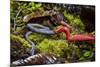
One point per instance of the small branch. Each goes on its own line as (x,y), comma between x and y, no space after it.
(15,19)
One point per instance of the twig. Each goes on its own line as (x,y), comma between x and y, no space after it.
(15,19)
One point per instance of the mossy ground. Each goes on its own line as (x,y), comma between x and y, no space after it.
(55,44)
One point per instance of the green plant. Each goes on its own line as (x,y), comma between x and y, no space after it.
(75,22)
(60,48)
(22,41)
(52,46)
(87,56)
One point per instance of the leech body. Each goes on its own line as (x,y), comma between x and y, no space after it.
(77,37)
(32,43)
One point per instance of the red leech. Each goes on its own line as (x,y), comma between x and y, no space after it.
(77,37)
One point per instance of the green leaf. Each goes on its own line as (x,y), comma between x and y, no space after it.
(81,58)
(87,54)
(38,5)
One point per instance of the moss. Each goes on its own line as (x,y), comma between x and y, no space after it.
(61,49)
(20,48)
(37,37)
(52,46)
(75,22)
(18,39)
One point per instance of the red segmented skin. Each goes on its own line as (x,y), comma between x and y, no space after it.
(78,37)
